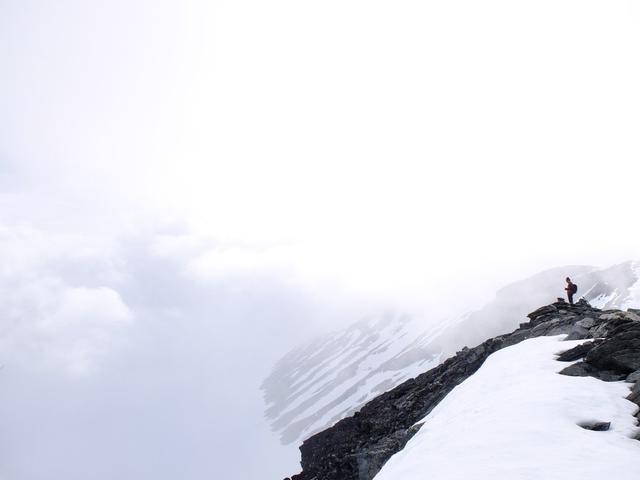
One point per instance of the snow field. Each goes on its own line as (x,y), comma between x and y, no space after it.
(517,418)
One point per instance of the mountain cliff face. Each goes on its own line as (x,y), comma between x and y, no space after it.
(358,446)
(330,378)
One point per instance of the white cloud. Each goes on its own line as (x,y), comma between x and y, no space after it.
(49,319)
(52,326)
(81,327)
(225,261)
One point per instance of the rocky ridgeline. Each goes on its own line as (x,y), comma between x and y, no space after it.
(357,447)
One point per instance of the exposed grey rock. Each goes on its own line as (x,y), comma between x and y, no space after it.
(620,353)
(633,376)
(634,396)
(579,369)
(607,328)
(583,369)
(545,328)
(542,311)
(578,333)
(610,376)
(586,322)
(576,353)
(632,315)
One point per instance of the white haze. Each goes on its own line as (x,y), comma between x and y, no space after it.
(191,188)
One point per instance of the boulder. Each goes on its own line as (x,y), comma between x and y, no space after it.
(634,396)
(633,377)
(586,322)
(583,369)
(542,311)
(621,353)
(596,426)
(576,353)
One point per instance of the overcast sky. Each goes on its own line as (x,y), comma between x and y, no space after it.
(190,188)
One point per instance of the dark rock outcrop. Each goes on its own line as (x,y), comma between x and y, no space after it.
(620,353)
(613,358)
(584,369)
(357,447)
(577,353)
(596,426)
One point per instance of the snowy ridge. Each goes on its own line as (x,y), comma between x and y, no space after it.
(521,420)
(330,378)
(528,419)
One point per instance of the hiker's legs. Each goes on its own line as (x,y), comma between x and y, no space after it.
(570,295)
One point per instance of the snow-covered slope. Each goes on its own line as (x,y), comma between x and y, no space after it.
(317,384)
(615,287)
(517,419)
(320,383)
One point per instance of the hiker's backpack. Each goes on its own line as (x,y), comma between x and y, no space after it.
(574,288)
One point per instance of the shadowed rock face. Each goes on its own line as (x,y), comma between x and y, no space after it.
(596,426)
(357,447)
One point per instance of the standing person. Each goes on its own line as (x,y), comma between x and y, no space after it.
(571,289)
